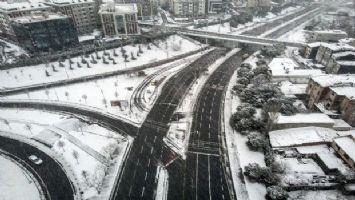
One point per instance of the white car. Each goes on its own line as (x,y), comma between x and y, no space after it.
(35,159)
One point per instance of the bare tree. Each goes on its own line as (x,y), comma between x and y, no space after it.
(7,123)
(29,128)
(85,97)
(76,156)
(61,145)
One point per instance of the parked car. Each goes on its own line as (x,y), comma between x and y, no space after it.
(35,159)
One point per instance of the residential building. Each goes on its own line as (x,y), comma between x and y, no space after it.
(146,8)
(44,31)
(263,5)
(10,11)
(188,8)
(341,63)
(83,13)
(333,95)
(277,121)
(311,50)
(326,36)
(119,19)
(285,69)
(326,50)
(345,147)
(214,6)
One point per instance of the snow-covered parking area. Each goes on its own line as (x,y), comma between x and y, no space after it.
(97,63)
(88,150)
(15,182)
(110,95)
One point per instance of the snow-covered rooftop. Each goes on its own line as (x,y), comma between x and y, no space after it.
(344,91)
(343,54)
(347,144)
(346,63)
(304,118)
(70,1)
(119,8)
(330,32)
(287,67)
(39,17)
(333,80)
(338,47)
(21,6)
(301,136)
(314,44)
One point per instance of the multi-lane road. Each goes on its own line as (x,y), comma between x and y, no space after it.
(148,150)
(53,179)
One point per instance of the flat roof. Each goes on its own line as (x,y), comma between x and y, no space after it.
(21,6)
(111,7)
(344,91)
(334,79)
(305,118)
(347,144)
(288,67)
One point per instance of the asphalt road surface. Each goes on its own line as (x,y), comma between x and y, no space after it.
(138,180)
(57,183)
(203,175)
(270,25)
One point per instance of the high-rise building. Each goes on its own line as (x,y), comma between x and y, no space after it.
(119,19)
(188,8)
(83,13)
(42,31)
(10,11)
(146,8)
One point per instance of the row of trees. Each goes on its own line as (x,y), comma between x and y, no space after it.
(255,90)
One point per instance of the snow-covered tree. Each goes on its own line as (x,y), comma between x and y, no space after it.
(76,156)
(276,193)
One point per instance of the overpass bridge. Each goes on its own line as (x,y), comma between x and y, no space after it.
(239,39)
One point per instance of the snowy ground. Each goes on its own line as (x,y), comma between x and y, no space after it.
(9,52)
(31,75)
(319,195)
(257,21)
(98,94)
(15,182)
(239,153)
(88,148)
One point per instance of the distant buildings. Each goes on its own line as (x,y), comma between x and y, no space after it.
(83,13)
(213,6)
(119,19)
(326,36)
(45,32)
(188,8)
(10,11)
(146,8)
(333,95)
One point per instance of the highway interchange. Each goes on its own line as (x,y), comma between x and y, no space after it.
(202,175)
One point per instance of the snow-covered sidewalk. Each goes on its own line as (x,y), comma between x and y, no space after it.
(15,181)
(239,153)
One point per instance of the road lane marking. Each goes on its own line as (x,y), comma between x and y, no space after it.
(143,191)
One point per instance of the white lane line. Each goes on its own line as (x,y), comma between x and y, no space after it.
(142,149)
(143,191)
(151,150)
(145,178)
(209,177)
(155,137)
(196,177)
(149,162)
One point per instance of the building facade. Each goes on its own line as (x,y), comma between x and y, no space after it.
(338,63)
(214,6)
(83,13)
(146,8)
(45,32)
(345,147)
(119,19)
(188,8)
(11,11)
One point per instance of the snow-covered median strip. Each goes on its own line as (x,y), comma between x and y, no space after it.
(163,184)
(179,132)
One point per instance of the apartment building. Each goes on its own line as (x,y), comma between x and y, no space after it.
(341,63)
(119,19)
(345,147)
(83,13)
(326,50)
(10,11)
(188,8)
(42,31)
(146,8)
(333,95)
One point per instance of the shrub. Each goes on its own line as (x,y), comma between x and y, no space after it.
(256,141)
(260,174)
(276,193)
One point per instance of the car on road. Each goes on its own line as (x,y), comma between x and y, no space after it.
(35,159)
